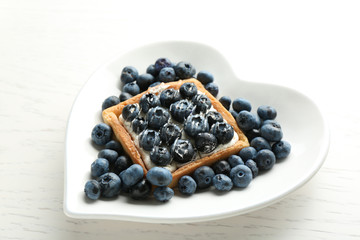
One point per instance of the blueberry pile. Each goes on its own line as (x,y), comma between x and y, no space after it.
(113,172)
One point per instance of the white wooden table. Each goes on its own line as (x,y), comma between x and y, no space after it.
(48,49)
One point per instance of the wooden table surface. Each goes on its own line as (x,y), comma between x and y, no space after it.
(48,49)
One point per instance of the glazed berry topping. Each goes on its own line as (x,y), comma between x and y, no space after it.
(169,96)
(202,103)
(182,151)
(160,156)
(148,139)
(195,124)
(205,142)
(213,117)
(180,110)
(148,101)
(169,133)
(188,90)
(130,112)
(139,124)
(223,131)
(157,117)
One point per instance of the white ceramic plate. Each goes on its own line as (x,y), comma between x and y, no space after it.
(301,120)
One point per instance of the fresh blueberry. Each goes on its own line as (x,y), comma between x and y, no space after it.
(265,159)
(221,167)
(151,70)
(195,124)
(271,132)
(114,145)
(125,96)
(260,143)
(188,90)
(169,133)
(184,70)
(99,167)
(148,139)
(131,88)
(160,156)
(252,133)
(92,189)
(130,112)
(148,101)
(101,134)
(258,122)
(132,175)
(144,81)
(141,190)
(167,74)
(205,77)
(253,167)
(235,160)
(162,63)
(182,151)
(203,176)
(246,120)
(234,113)
(180,110)
(169,96)
(240,104)
(270,121)
(205,142)
(213,117)
(222,182)
(241,176)
(157,117)
(225,101)
(281,149)
(108,154)
(223,131)
(129,74)
(266,112)
(163,194)
(159,176)
(202,103)
(154,84)
(109,102)
(122,163)
(212,88)
(139,124)
(247,153)
(187,185)
(110,184)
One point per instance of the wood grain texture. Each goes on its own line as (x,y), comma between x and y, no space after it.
(48,49)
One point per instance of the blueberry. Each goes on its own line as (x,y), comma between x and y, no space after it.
(213,117)
(205,77)
(108,154)
(144,81)
(240,104)
(101,134)
(188,90)
(221,167)
(159,176)
(246,120)
(187,185)
(234,113)
(223,131)
(247,153)
(148,101)
(125,96)
(222,182)
(184,70)
(167,74)
(132,175)
(195,124)
(252,133)
(160,156)
(151,70)
(235,160)
(131,88)
(180,110)
(203,176)
(205,142)
(129,74)
(253,167)
(163,194)
(212,88)
(281,149)
(182,151)
(241,176)
(109,102)
(169,96)
(110,184)
(157,117)
(148,139)
(99,167)
(271,132)
(260,143)
(154,84)
(114,145)
(122,163)
(270,121)
(265,159)
(266,112)
(169,133)
(141,190)
(130,112)
(92,189)
(139,124)
(201,102)
(225,101)
(162,63)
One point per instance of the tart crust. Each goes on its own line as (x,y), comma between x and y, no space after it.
(111,117)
